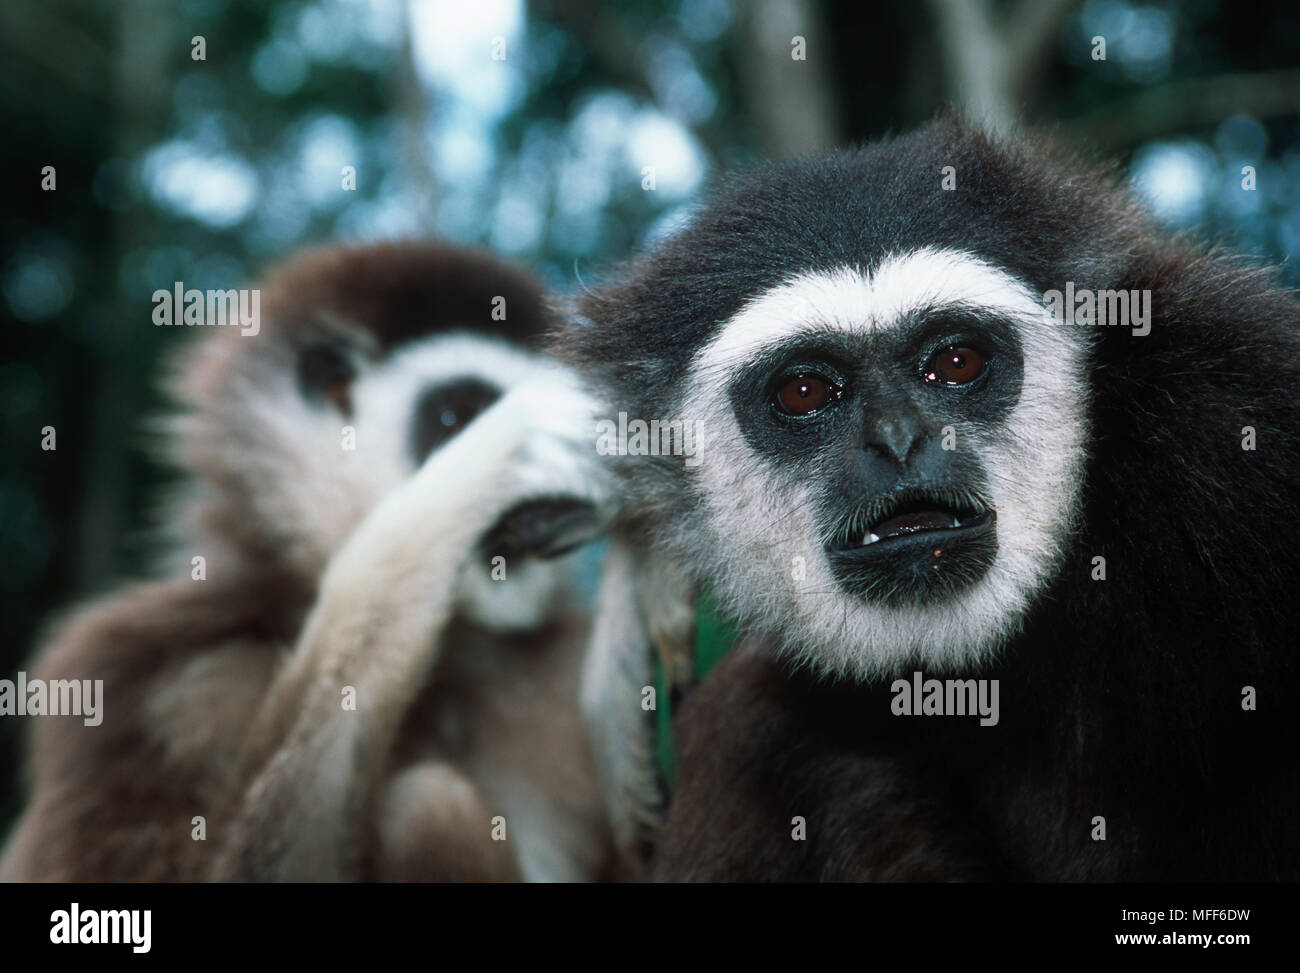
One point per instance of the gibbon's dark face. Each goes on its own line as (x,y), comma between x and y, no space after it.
(892,430)
(905,514)
(890,459)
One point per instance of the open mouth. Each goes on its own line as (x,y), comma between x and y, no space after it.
(912,512)
(914,545)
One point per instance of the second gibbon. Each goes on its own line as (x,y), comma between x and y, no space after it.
(228,748)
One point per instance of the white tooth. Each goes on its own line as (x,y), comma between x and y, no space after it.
(872,538)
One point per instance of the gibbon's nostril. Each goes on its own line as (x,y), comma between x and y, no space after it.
(895,437)
(443,410)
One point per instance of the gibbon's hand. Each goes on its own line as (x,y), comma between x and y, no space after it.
(562,497)
(378,622)
(527,465)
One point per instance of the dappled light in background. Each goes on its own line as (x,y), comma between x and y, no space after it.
(208,171)
(559,190)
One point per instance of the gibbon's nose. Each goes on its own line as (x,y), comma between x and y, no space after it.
(895,435)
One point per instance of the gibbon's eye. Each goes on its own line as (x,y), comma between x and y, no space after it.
(805,394)
(442,411)
(955,366)
(326,371)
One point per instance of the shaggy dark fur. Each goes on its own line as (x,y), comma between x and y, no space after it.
(1120,699)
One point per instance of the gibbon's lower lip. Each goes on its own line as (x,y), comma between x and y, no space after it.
(916,549)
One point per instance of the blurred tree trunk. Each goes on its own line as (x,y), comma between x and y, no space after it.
(147,45)
(416,124)
(792,101)
(993,63)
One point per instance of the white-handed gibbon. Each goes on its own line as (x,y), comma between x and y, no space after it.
(964,413)
(364,663)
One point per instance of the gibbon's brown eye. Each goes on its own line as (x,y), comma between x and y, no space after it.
(326,370)
(805,394)
(340,393)
(955,366)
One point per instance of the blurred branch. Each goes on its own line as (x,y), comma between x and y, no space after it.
(1178,105)
(58,46)
(605,38)
(413,109)
(993,63)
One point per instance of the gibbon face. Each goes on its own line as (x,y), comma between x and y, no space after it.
(409,406)
(893,431)
(306,426)
(903,449)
